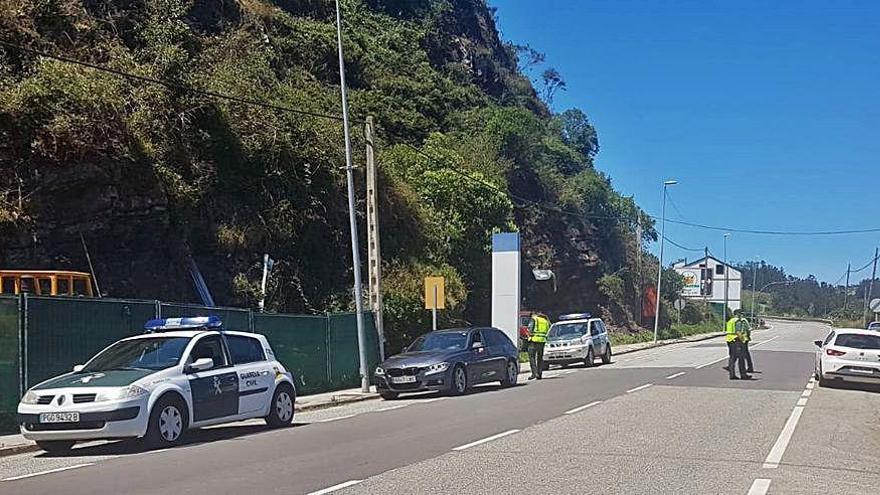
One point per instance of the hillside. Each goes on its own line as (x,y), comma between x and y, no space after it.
(150,175)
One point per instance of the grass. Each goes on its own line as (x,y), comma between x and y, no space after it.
(678,330)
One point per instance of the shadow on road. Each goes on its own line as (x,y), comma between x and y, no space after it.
(193,437)
(861,387)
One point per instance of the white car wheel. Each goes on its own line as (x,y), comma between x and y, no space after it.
(281,410)
(170,423)
(284,407)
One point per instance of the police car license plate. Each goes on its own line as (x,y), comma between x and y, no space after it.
(403,379)
(66,417)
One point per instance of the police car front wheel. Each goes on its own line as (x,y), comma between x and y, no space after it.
(281,410)
(168,422)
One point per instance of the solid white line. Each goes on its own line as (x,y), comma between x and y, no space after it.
(337,487)
(568,372)
(807,392)
(641,387)
(581,408)
(802,401)
(487,439)
(759,487)
(337,418)
(428,401)
(765,341)
(391,408)
(676,375)
(710,364)
(50,471)
(775,455)
(811,385)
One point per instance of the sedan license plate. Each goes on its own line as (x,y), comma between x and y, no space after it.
(65,417)
(403,379)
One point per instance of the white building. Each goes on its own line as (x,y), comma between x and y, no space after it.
(705,279)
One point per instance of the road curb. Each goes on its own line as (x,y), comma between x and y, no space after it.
(336,401)
(18,449)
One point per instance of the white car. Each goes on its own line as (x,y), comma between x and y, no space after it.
(848,354)
(577,338)
(185,373)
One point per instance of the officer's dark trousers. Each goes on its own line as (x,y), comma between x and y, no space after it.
(536,358)
(735,356)
(747,357)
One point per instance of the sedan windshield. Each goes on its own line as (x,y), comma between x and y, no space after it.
(443,341)
(567,331)
(155,353)
(858,341)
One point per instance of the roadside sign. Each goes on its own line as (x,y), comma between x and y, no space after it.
(691,283)
(679,304)
(435,293)
(875,305)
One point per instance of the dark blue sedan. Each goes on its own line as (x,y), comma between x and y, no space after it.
(450,361)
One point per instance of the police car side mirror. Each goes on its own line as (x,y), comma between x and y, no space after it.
(201,364)
(818,343)
(77,368)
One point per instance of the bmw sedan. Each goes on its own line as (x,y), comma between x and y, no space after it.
(450,361)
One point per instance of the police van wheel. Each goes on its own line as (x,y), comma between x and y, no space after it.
(606,358)
(282,407)
(590,359)
(168,422)
(56,446)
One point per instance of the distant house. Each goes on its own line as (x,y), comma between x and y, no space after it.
(704,279)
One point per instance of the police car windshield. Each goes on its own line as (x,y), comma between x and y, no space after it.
(567,331)
(154,353)
(443,341)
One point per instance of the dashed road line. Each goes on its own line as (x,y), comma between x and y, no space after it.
(581,408)
(778,450)
(759,487)
(710,363)
(485,440)
(811,385)
(802,401)
(641,387)
(49,471)
(808,392)
(676,375)
(336,487)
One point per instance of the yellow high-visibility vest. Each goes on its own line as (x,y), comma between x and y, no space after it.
(730,330)
(542,327)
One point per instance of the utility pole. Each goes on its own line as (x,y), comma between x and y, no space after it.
(374,253)
(638,305)
(660,260)
(754,286)
(352,218)
(726,279)
(846,289)
(870,292)
(709,275)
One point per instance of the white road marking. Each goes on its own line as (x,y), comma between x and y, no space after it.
(485,440)
(337,418)
(811,385)
(581,408)
(710,364)
(337,487)
(50,471)
(775,455)
(759,487)
(807,392)
(391,408)
(568,372)
(802,401)
(676,375)
(641,387)
(428,401)
(765,341)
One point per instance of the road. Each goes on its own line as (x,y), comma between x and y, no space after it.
(666,420)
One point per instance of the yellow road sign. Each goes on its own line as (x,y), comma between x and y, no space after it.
(435,293)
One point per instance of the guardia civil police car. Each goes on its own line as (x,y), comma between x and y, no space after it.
(577,337)
(183,373)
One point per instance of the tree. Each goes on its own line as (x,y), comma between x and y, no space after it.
(578,132)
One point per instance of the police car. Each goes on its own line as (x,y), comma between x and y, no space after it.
(182,373)
(577,337)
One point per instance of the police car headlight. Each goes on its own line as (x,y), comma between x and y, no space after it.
(130,392)
(379,370)
(29,398)
(437,368)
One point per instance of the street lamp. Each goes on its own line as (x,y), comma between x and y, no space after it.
(754,285)
(660,266)
(726,278)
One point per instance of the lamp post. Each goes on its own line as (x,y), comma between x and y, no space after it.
(660,265)
(754,285)
(726,278)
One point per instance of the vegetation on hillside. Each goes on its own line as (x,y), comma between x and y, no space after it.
(151,175)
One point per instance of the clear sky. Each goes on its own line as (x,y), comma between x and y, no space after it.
(766,112)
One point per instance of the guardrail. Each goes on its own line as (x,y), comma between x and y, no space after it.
(796,318)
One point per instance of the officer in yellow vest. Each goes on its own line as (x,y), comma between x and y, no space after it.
(744,329)
(735,353)
(536,345)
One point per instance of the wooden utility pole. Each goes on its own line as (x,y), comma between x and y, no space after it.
(846,289)
(638,305)
(374,253)
(870,292)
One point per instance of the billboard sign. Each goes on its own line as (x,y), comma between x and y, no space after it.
(691,283)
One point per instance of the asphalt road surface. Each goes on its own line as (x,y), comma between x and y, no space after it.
(665,421)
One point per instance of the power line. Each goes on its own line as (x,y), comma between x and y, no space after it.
(674,206)
(869,263)
(171,85)
(680,246)
(775,232)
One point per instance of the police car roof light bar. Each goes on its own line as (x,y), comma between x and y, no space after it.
(190,322)
(575,316)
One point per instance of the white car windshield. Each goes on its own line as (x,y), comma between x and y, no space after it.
(858,341)
(155,353)
(567,331)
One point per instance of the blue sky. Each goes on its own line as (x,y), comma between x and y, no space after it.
(766,112)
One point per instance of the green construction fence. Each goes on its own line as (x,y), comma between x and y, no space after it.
(41,337)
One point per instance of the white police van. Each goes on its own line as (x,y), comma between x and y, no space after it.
(183,373)
(577,337)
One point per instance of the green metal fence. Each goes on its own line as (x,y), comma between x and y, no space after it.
(41,337)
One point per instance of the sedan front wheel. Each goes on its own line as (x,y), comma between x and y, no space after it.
(459,380)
